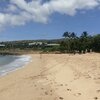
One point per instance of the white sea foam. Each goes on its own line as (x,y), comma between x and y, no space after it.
(20,62)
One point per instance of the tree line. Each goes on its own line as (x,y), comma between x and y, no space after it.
(81,44)
(70,43)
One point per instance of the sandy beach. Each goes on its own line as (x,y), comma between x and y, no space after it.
(54,77)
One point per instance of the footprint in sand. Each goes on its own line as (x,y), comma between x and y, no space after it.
(50,90)
(77,94)
(42,88)
(65,84)
(61,84)
(68,89)
(98,91)
(95,98)
(61,98)
(46,93)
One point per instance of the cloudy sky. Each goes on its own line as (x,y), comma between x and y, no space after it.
(40,19)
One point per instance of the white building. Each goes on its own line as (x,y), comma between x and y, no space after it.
(35,43)
(2,45)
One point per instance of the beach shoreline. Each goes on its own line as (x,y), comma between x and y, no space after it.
(19,62)
(54,77)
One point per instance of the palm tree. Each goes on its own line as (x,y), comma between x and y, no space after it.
(84,41)
(73,35)
(66,34)
(84,34)
(96,43)
(73,42)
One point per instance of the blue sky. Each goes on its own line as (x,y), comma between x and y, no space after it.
(20,22)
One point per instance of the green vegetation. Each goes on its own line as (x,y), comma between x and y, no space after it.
(85,43)
(71,43)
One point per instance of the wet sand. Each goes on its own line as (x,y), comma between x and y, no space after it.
(54,77)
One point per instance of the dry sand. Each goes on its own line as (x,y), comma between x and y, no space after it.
(54,77)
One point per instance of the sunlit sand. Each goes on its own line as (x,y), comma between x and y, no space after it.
(54,77)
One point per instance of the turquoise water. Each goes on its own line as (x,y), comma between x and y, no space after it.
(11,63)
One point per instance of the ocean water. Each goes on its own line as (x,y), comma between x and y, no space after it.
(12,63)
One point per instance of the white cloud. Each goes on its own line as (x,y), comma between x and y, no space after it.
(19,12)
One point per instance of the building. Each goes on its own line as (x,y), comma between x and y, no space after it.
(35,43)
(52,45)
(43,44)
(2,45)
